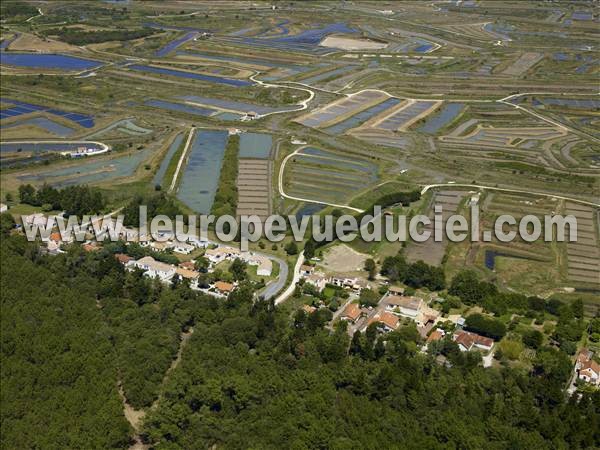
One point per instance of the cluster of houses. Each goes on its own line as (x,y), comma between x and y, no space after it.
(264,266)
(186,270)
(319,280)
(395,306)
(166,273)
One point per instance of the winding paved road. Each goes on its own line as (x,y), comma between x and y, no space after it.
(271,289)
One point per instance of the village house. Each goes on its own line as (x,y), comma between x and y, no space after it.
(124,259)
(405,306)
(161,246)
(468,341)
(186,274)
(153,268)
(587,369)
(318,280)
(265,266)
(389,322)
(198,242)
(182,247)
(224,288)
(219,254)
(355,284)
(395,290)
(189,265)
(436,335)
(352,313)
(3,207)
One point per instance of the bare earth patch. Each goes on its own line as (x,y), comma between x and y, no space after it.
(342,258)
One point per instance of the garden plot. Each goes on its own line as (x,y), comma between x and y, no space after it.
(525,62)
(253,184)
(583,256)
(432,252)
(327,176)
(341,109)
(405,115)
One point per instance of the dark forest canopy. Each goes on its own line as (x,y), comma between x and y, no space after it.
(76,324)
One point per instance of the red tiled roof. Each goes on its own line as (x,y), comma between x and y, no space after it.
(189,265)
(224,286)
(386,318)
(435,335)
(123,258)
(352,311)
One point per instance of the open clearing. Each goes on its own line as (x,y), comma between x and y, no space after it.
(343,259)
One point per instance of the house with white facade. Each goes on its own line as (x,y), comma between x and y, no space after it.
(182,247)
(468,341)
(404,306)
(153,268)
(219,254)
(586,368)
(318,280)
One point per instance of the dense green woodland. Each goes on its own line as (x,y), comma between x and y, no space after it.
(252,376)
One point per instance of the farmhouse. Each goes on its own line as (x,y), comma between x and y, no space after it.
(468,341)
(153,268)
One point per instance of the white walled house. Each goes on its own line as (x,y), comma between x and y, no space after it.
(153,268)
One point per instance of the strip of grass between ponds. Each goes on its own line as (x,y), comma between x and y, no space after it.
(172,167)
(226,197)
